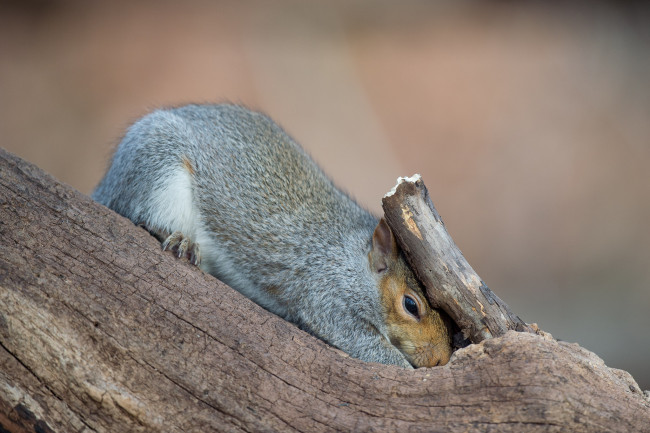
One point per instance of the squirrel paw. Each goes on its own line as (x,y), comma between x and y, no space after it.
(183,247)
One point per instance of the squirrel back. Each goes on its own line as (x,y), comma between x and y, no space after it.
(228,188)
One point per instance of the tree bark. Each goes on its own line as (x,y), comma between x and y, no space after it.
(450,282)
(101,331)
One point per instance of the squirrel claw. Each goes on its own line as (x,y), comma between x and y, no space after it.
(183,247)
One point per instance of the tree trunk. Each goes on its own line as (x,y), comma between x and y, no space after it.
(101,331)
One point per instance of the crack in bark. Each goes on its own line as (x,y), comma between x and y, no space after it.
(44,384)
(154,327)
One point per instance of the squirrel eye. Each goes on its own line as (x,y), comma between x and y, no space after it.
(411,306)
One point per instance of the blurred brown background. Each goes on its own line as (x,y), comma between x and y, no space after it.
(530,122)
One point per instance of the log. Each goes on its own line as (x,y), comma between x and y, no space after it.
(101,331)
(450,282)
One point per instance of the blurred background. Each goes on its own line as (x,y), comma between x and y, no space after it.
(529,122)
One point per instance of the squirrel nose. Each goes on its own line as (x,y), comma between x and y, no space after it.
(435,356)
(444,357)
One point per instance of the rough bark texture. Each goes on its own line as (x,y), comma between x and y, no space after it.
(101,331)
(450,281)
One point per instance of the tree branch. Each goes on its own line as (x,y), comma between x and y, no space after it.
(101,331)
(450,281)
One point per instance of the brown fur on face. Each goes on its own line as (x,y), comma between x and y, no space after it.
(424,338)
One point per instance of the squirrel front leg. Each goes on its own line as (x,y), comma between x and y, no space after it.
(389,354)
(372,346)
(178,243)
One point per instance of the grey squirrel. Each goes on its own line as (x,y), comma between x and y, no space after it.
(227,188)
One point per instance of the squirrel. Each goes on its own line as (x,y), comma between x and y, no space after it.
(231,191)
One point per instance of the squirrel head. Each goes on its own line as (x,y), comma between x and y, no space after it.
(420,332)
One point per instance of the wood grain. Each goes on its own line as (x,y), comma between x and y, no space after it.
(101,331)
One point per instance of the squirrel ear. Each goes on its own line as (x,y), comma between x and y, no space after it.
(384,247)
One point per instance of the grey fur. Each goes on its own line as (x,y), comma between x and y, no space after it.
(277,228)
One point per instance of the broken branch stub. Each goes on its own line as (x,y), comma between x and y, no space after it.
(451,283)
